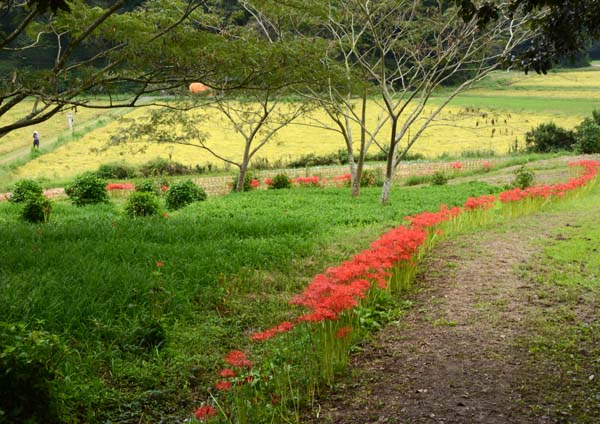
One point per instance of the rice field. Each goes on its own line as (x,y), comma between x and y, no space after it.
(491,117)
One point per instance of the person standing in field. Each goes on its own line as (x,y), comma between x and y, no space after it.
(36,140)
(70,121)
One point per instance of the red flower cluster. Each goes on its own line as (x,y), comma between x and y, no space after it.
(120,186)
(486,165)
(284,327)
(223,386)
(557,190)
(342,179)
(307,181)
(431,219)
(268,181)
(255,183)
(456,165)
(481,202)
(237,358)
(204,412)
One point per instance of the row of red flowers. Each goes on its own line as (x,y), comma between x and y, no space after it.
(341,288)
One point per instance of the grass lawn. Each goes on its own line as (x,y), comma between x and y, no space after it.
(145,339)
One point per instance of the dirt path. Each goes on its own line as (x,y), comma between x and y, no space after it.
(455,356)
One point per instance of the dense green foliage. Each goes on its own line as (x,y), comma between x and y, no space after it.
(281,181)
(30,375)
(24,189)
(148,186)
(588,136)
(37,209)
(439,178)
(142,203)
(183,193)
(549,138)
(156,302)
(524,178)
(87,189)
(116,170)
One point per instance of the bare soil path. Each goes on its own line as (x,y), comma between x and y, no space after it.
(458,355)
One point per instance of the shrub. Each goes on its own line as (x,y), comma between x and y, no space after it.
(183,193)
(142,203)
(414,180)
(523,178)
(30,377)
(87,189)
(37,209)
(159,166)
(549,138)
(281,181)
(24,189)
(116,170)
(439,178)
(588,136)
(147,186)
(370,178)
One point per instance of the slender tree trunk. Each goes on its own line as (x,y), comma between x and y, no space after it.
(389,168)
(362,153)
(239,187)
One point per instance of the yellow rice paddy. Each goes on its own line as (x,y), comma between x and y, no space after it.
(457,130)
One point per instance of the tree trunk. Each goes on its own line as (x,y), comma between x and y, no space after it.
(362,153)
(239,185)
(387,182)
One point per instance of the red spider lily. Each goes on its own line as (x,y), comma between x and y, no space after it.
(237,358)
(272,332)
(227,373)
(120,186)
(204,412)
(249,379)
(486,165)
(268,181)
(343,332)
(164,188)
(481,202)
(456,165)
(223,386)
(255,183)
(307,181)
(160,264)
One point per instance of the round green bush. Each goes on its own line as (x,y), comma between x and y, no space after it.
(31,382)
(37,209)
(523,178)
(142,203)
(147,186)
(549,138)
(24,189)
(281,181)
(371,178)
(183,193)
(588,136)
(87,189)
(439,178)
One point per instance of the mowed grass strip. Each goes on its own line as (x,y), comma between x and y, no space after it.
(228,266)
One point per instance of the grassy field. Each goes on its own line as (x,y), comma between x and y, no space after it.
(490,117)
(144,340)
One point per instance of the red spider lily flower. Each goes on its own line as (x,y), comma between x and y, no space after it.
(120,186)
(204,412)
(227,373)
(255,183)
(223,386)
(456,165)
(307,181)
(164,188)
(249,379)
(438,232)
(343,332)
(486,165)
(237,358)
(160,264)
(268,181)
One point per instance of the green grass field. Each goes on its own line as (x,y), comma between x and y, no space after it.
(230,265)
